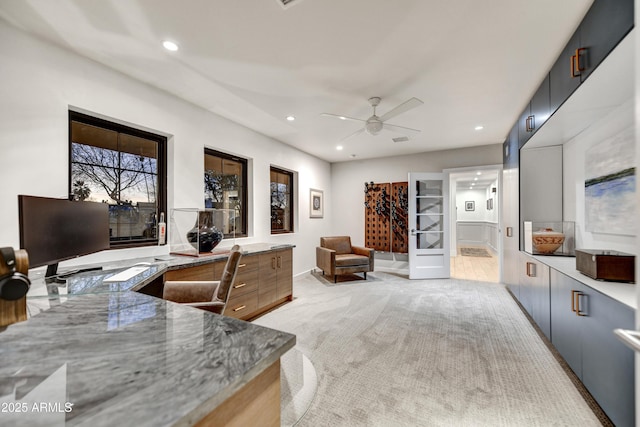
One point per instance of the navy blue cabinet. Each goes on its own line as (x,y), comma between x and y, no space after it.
(535,113)
(582,324)
(535,292)
(563,80)
(605,24)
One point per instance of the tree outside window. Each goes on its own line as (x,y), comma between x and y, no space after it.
(225,187)
(123,167)
(281,201)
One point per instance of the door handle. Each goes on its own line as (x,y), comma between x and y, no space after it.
(509,231)
(413,231)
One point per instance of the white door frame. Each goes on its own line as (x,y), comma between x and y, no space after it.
(452,210)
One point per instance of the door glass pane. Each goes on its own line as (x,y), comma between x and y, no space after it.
(430,240)
(429,188)
(429,205)
(429,222)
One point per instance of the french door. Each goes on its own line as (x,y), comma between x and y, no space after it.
(429,256)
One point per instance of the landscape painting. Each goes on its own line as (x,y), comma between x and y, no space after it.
(610,183)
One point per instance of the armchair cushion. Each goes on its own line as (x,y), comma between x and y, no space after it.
(351,260)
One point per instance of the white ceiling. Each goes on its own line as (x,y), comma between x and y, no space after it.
(256,62)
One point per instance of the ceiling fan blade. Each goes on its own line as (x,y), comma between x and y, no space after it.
(337,116)
(405,106)
(400,129)
(353,134)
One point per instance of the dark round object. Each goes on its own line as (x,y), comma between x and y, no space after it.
(208,238)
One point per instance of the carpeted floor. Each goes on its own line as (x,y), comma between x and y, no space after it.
(390,351)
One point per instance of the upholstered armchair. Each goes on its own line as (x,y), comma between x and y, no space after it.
(336,255)
(206,295)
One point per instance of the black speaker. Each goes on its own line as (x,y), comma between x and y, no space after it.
(13,285)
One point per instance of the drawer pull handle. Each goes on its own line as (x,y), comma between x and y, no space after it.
(242,307)
(241,285)
(242,265)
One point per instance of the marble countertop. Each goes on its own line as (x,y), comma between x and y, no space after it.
(621,292)
(92,282)
(100,354)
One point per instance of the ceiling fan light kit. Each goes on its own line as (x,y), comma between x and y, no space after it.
(374,124)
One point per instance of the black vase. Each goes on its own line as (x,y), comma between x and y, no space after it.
(204,236)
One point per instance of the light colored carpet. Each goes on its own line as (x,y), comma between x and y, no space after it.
(478,252)
(390,351)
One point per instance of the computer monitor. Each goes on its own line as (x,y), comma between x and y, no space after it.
(54,230)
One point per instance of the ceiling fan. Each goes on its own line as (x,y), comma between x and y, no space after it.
(374,124)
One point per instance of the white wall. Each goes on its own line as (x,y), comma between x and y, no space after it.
(348,178)
(40,83)
(574,174)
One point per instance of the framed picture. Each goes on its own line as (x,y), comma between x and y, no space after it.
(490,204)
(316,203)
(470,206)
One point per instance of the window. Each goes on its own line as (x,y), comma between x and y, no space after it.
(123,167)
(225,187)
(281,201)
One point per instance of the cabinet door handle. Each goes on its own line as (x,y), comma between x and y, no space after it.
(273,263)
(279,262)
(575,303)
(509,231)
(242,307)
(531,269)
(576,68)
(530,123)
(579,311)
(241,285)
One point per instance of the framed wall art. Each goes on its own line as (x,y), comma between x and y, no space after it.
(470,206)
(316,203)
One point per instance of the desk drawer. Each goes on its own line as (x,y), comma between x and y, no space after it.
(245,282)
(242,306)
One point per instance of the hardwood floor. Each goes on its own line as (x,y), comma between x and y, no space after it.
(484,269)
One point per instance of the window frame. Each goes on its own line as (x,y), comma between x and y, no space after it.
(291,205)
(161,194)
(244,214)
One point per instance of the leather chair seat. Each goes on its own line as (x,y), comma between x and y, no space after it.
(351,260)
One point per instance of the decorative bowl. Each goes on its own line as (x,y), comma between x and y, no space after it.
(547,241)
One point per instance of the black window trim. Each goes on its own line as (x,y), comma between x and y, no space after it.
(291,175)
(245,189)
(161,161)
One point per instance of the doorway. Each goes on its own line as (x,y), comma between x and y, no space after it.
(475,222)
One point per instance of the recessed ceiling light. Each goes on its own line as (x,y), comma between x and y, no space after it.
(339,147)
(291,118)
(342,118)
(475,179)
(479,127)
(473,183)
(169,45)
(478,173)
